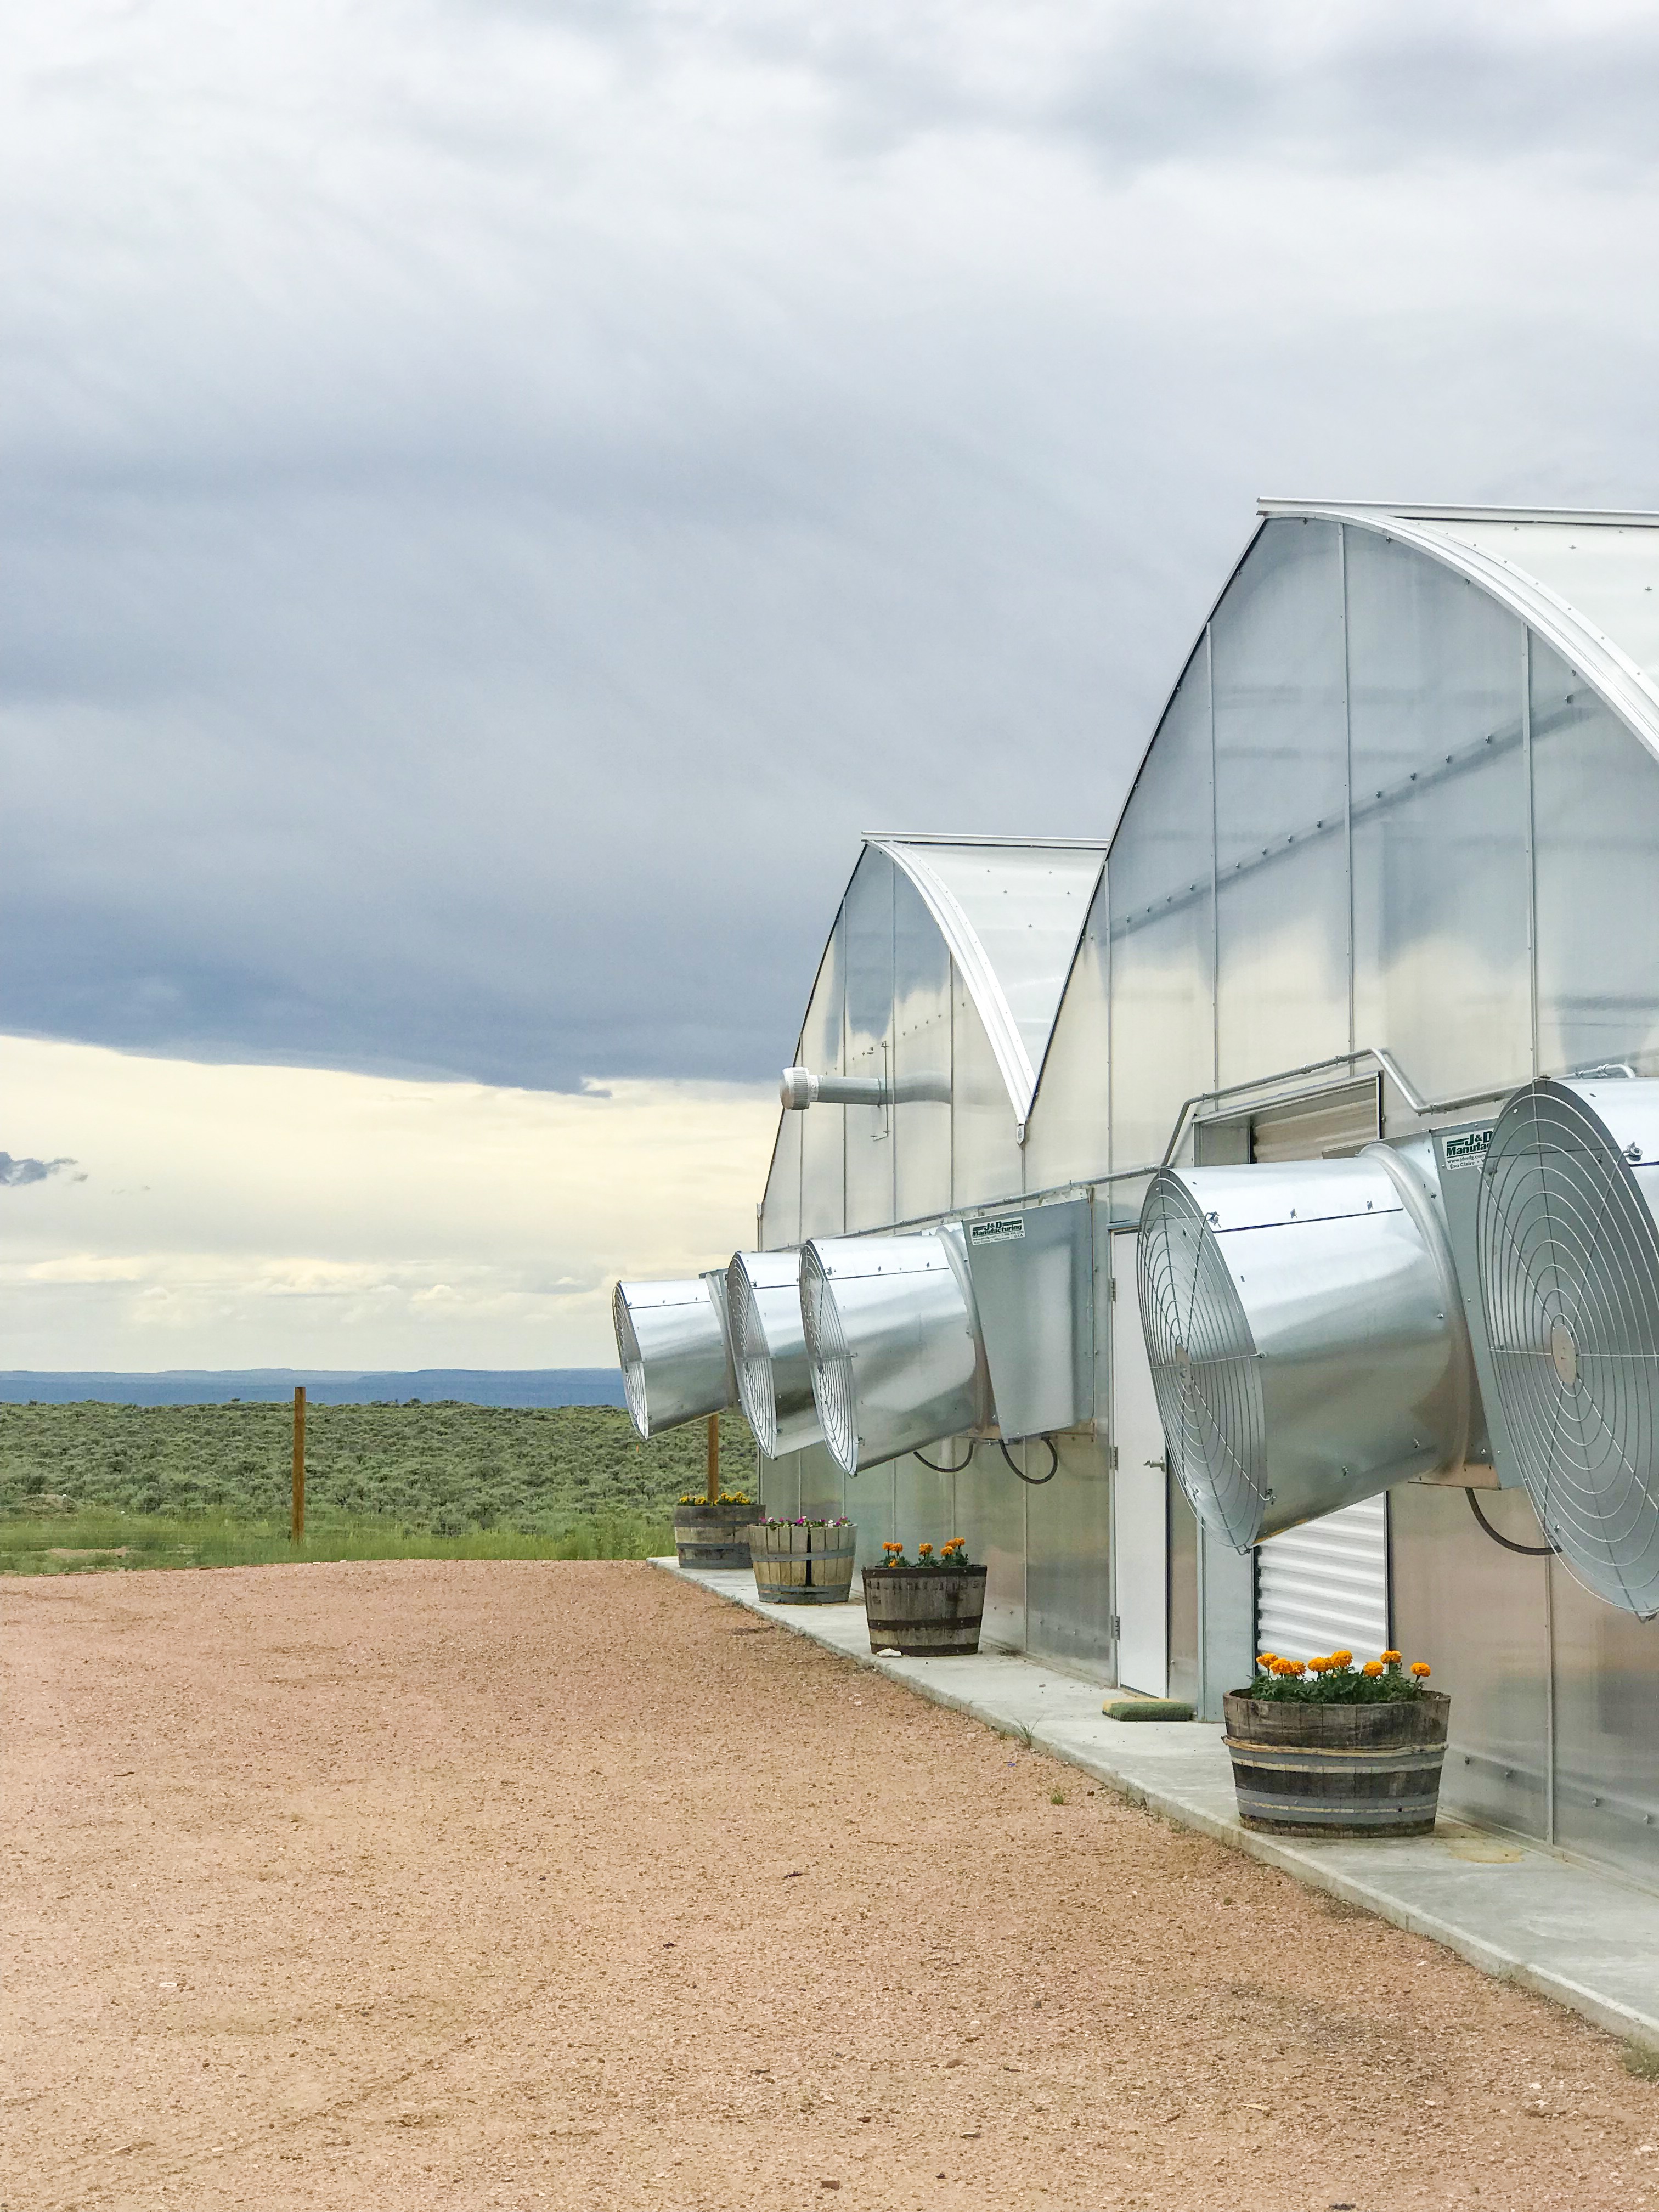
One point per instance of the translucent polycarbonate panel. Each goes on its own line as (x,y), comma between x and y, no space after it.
(867,937)
(1162,927)
(985,1154)
(1595,810)
(1476,1614)
(1025,904)
(921,1058)
(1436,672)
(823,1489)
(991,1516)
(779,1481)
(822,1137)
(1184,1663)
(1606,1731)
(780,1222)
(1608,571)
(924,1500)
(1280,790)
(1068,1578)
(1068,1136)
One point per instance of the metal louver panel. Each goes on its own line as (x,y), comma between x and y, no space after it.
(1569,1265)
(1205,1368)
(1324,1587)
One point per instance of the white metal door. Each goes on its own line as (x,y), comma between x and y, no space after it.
(1141,1516)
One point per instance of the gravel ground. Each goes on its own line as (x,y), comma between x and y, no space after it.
(469,1885)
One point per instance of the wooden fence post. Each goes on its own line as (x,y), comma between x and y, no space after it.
(299,1527)
(713,1457)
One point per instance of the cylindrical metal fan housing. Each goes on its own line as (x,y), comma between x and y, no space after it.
(672,1345)
(897,1360)
(1568,1262)
(769,1345)
(1306,1343)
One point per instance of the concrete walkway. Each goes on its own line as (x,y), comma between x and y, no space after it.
(1585,1938)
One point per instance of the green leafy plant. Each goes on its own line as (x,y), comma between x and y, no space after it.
(950,1558)
(1334,1679)
(725,1497)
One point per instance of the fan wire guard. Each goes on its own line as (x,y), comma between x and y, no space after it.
(1569,1266)
(753,1360)
(1205,1366)
(633,1365)
(832,1363)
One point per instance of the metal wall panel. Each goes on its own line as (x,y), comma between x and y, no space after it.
(866,936)
(1596,811)
(1476,1614)
(991,1515)
(924,1501)
(780,1215)
(822,1137)
(1185,1667)
(984,1153)
(1069,1135)
(1607,1729)
(822,1487)
(1324,1587)
(1160,883)
(1437,673)
(1141,1493)
(1280,799)
(1068,1581)
(921,1057)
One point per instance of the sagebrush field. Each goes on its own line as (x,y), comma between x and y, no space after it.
(91,1484)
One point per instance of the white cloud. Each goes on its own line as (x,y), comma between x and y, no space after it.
(238,1215)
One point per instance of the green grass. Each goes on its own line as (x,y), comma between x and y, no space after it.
(209,1486)
(93,1540)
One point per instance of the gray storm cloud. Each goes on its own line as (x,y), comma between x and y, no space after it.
(14,1173)
(501,495)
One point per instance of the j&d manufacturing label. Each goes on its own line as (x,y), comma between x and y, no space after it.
(1469,1149)
(1003,1230)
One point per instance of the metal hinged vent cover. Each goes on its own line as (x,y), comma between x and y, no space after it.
(1205,1368)
(1569,1266)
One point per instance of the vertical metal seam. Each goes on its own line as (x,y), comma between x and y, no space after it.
(1532,842)
(1347,769)
(1215,883)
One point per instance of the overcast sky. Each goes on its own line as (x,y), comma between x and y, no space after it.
(498,496)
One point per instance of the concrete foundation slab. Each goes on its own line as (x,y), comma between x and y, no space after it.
(1571,1932)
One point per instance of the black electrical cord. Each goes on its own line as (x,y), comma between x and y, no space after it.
(933,1467)
(1036,1481)
(1527,1551)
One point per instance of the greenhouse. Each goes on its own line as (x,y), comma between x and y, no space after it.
(1241,1228)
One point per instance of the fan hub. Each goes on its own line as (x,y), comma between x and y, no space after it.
(1564,1354)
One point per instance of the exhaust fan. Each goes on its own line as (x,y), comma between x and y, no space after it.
(1569,1268)
(893,1343)
(1307,1341)
(769,1345)
(672,1340)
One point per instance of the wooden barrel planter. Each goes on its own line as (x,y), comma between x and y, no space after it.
(801,1563)
(712,1535)
(1337,1770)
(926,1613)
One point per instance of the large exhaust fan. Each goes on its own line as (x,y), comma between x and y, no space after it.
(1307,1341)
(1569,1268)
(916,1339)
(893,1343)
(769,1345)
(672,1344)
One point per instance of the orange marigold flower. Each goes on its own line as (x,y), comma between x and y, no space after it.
(1341,1658)
(1392,1658)
(1295,1666)
(1373,1667)
(1421,1672)
(924,1551)
(892,1548)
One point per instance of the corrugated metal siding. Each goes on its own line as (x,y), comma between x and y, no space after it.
(1324,1587)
